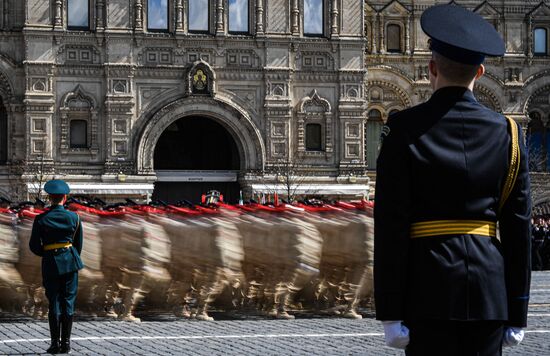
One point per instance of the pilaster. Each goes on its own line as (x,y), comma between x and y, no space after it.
(295,18)
(260,17)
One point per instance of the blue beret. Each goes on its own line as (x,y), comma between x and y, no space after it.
(56,186)
(460,34)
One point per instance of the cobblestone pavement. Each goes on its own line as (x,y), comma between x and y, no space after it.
(305,335)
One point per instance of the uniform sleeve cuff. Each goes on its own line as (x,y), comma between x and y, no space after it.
(390,306)
(517,311)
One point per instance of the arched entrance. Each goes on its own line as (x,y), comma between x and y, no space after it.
(3,134)
(233,120)
(194,155)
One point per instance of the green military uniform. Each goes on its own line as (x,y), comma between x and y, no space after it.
(57,238)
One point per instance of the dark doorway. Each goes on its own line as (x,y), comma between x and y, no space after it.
(172,192)
(3,134)
(196,144)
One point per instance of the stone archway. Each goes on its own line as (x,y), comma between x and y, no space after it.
(182,114)
(238,123)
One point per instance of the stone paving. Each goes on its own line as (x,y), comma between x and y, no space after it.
(234,335)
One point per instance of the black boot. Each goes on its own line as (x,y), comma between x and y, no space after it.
(54,334)
(66,327)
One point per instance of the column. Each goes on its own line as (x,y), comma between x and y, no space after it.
(219,18)
(58,21)
(408,36)
(6,13)
(295,18)
(99,18)
(382,34)
(530,37)
(334,28)
(179,16)
(260,17)
(139,15)
(374,37)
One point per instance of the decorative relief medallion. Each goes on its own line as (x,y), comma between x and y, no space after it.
(200,80)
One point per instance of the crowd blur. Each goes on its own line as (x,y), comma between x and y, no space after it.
(185,259)
(540,239)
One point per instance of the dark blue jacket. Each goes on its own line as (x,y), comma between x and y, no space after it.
(55,226)
(447,159)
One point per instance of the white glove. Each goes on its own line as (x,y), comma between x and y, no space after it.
(512,336)
(396,334)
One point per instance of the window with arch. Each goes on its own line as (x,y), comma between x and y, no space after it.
(78,14)
(540,42)
(79,124)
(238,16)
(314,127)
(314,137)
(373,130)
(78,135)
(157,15)
(393,38)
(3,134)
(313,17)
(199,16)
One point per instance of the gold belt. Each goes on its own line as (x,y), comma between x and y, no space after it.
(453,227)
(57,245)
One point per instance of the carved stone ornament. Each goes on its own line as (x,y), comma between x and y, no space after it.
(79,105)
(314,103)
(317,110)
(201,79)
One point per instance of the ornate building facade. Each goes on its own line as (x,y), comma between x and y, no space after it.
(166,98)
(518,85)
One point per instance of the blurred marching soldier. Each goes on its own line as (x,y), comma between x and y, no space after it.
(448,171)
(57,238)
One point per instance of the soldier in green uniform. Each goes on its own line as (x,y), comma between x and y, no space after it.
(57,238)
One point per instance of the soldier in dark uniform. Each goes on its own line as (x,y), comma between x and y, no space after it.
(57,238)
(448,171)
(538,237)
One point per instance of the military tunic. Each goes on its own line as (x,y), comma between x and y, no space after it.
(60,266)
(448,159)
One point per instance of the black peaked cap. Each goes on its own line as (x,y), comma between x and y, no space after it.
(460,34)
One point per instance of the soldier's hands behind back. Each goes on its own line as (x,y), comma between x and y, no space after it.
(396,334)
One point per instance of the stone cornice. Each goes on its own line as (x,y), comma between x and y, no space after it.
(240,75)
(81,71)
